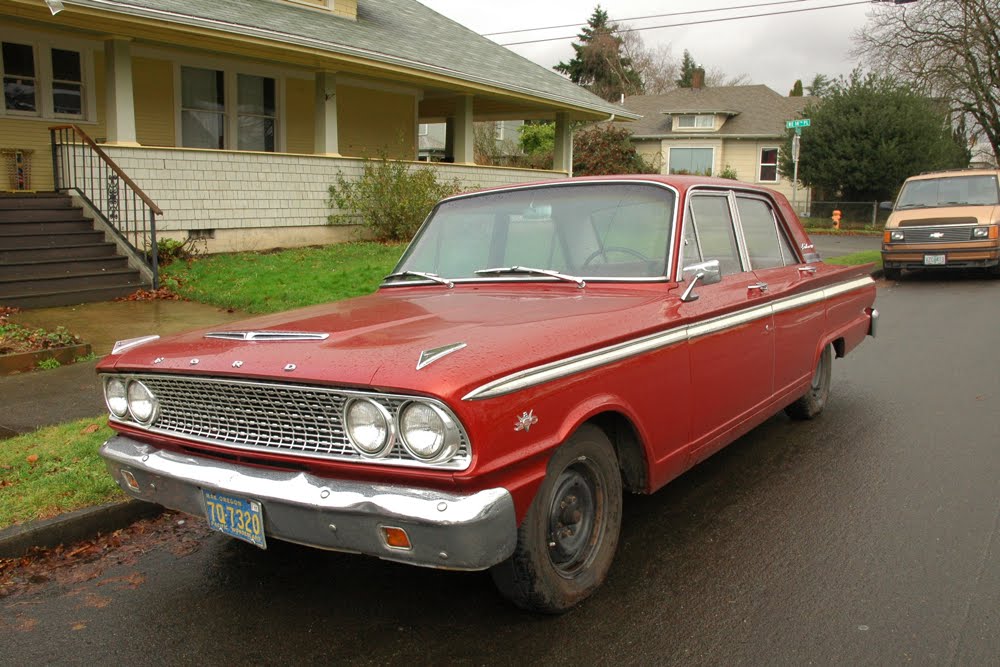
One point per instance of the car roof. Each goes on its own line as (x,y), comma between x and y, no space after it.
(951,173)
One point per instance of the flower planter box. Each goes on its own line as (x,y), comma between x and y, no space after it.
(27,361)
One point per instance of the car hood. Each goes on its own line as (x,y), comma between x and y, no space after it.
(943,215)
(377,340)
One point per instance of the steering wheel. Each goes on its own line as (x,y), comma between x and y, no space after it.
(603,252)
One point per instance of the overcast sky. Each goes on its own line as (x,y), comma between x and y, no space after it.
(773,50)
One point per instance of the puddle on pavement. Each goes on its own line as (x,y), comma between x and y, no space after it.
(101,324)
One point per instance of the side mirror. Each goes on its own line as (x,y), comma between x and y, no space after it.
(706,272)
(885,205)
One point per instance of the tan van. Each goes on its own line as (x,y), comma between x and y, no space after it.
(944,219)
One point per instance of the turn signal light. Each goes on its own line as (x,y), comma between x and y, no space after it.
(396,538)
(130,480)
(885,236)
(994,232)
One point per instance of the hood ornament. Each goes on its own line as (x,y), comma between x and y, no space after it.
(271,336)
(428,357)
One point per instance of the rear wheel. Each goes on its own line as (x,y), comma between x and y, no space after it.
(567,541)
(811,403)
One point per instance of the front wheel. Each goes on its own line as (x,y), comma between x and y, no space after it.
(811,403)
(567,541)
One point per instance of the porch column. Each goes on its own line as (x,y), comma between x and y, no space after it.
(326,141)
(562,159)
(120,110)
(464,137)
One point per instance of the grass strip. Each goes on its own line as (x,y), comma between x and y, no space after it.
(54,470)
(857,258)
(275,281)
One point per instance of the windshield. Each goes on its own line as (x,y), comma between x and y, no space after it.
(592,230)
(949,191)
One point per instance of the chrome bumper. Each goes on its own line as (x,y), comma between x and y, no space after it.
(446,530)
(873,327)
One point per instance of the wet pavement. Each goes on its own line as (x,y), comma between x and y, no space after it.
(46,397)
(830,245)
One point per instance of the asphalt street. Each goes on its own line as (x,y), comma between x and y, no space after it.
(866,537)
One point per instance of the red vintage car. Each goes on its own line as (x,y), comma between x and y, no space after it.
(538,351)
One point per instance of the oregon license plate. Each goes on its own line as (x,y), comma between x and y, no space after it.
(236,517)
(934,260)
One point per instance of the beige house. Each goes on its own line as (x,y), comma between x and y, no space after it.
(711,131)
(234,116)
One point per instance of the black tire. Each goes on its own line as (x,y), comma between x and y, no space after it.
(892,274)
(811,403)
(567,541)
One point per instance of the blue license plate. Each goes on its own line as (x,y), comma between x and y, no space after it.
(236,517)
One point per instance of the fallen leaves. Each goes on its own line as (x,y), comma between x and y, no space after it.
(90,428)
(32,459)
(162,294)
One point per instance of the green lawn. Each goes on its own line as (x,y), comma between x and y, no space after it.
(275,281)
(863,257)
(54,470)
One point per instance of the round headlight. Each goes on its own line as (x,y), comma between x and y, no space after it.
(368,427)
(428,432)
(141,402)
(114,396)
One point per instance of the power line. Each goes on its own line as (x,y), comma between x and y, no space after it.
(703,21)
(652,16)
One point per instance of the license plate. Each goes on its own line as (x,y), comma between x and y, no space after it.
(236,517)
(934,260)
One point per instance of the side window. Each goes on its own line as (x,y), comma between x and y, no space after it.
(767,246)
(713,224)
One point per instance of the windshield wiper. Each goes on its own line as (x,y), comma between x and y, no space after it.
(433,277)
(538,272)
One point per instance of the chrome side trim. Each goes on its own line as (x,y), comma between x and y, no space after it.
(601,357)
(456,531)
(274,336)
(428,357)
(127,344)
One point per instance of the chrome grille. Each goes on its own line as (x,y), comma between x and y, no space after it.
(948,234)
(273,417)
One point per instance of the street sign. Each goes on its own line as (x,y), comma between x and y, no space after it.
(796,143)
(802,122)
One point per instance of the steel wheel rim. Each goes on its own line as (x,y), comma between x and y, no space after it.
(576,518)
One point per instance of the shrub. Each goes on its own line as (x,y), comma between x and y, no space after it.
(729,172)
(169,250)
(390,198)
(48,364)
(607,150)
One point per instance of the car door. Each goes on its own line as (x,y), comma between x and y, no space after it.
(799,315)
(731,349)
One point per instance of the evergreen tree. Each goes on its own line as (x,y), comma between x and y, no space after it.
(688,66)
(598,64)
(796,90)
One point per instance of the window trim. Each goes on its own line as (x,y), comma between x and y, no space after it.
(42,45)
(761,164)
(695,127)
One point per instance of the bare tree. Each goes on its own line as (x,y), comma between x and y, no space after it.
(716,78)
(948,49)
(656,65)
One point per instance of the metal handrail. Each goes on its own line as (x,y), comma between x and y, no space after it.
(79,164)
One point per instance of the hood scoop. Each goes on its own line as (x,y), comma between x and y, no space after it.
(268,336)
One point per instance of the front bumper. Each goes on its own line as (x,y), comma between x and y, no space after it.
(981,254)
(446,530)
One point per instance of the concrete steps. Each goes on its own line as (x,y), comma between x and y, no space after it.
(51,255)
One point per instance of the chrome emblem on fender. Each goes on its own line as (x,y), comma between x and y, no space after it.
(290,367)
(428,357)
(525,421)
(937,235)
(237,364)
(193,362)
(158,360)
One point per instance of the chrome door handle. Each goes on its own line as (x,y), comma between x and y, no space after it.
(762,287)
(807,269)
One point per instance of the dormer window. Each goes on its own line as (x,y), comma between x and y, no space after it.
(701,121)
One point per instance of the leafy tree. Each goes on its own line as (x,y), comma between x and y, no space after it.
(538,138)
(820,86)
(604,149)
(796,90)
(947,50)
(598,63)
(868,135)
(688,66)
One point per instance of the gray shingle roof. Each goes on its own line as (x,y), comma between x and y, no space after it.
(755,111)
(398,32)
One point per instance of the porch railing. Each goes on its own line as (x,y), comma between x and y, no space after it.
(79,164)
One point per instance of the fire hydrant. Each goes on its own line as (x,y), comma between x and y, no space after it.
(836,219)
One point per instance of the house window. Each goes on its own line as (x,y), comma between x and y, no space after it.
(27,88)
(209,119)
(422,129)
(696,121)
(696,161)
(768,165)
(255,131)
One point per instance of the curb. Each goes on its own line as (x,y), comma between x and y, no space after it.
(72,527)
